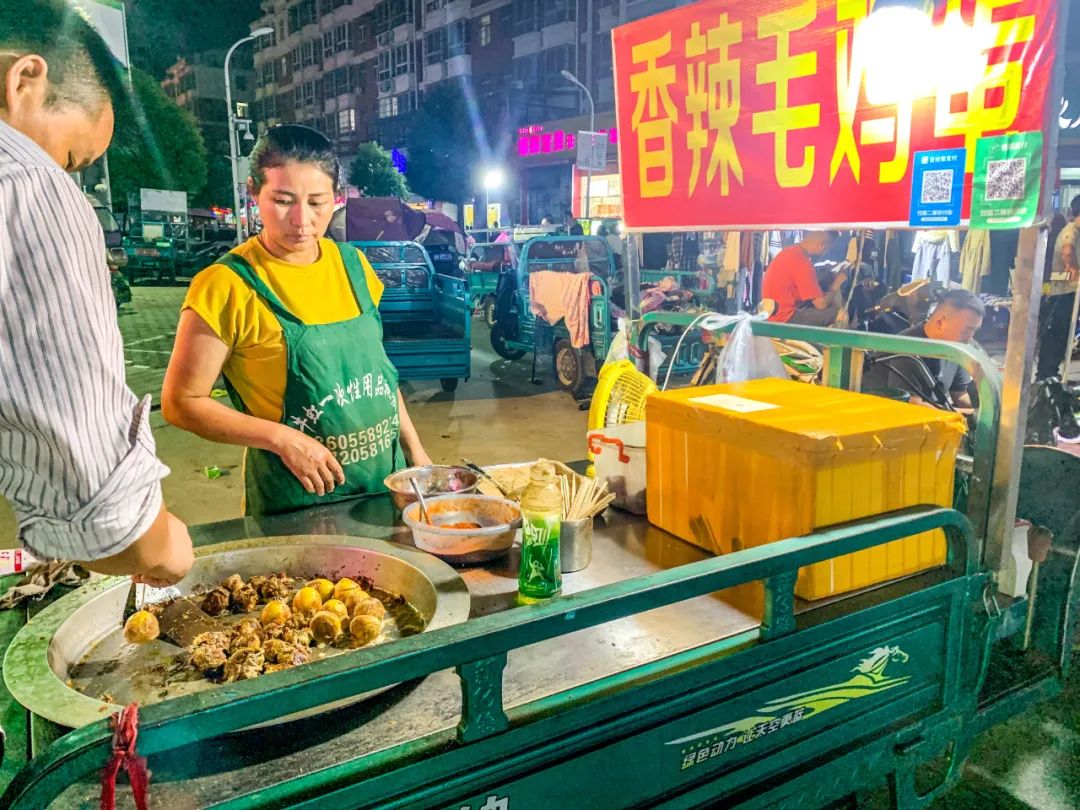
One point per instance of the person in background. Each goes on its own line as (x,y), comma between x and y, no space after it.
(573,227)
(1059,287)
(615,243)
(791,281)
(956,318)
(77,458)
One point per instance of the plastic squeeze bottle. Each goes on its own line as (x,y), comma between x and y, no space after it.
(540,576)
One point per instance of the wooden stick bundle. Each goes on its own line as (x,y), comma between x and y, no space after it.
(583,497)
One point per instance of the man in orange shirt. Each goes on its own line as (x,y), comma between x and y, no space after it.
(791,282)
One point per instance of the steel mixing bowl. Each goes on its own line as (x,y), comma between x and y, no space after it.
(499,520)
(434,479)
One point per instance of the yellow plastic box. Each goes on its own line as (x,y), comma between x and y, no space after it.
(739,465)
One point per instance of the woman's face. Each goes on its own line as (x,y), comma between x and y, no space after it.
(296,203)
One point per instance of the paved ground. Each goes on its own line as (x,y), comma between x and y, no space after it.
(148,326)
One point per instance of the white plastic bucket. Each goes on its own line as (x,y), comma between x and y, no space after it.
(619,454)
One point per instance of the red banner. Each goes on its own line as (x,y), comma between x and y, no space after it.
(736,114)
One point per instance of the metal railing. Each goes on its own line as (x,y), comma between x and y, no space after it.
(478,651)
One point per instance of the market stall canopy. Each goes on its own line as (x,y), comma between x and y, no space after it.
(388,219)
(441,221)
(786,113)
(382,219)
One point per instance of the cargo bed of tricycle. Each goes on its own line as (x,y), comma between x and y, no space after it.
(427,327)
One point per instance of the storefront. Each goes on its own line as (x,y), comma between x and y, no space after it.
(548,180)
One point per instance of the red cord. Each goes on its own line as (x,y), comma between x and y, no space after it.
(124,757)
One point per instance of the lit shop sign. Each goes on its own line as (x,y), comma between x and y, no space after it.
(535,140)
(401,163)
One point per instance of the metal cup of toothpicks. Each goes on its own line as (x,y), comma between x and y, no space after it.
(583,499)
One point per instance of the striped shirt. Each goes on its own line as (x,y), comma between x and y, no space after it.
(77,459)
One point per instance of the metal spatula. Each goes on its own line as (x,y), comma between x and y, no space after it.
(136,596)
(183,620)
(141,595)
(423,504)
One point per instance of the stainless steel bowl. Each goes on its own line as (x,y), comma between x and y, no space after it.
(499,520)
(435,479)
(81,632)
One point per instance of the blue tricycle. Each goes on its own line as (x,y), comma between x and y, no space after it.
(426,315)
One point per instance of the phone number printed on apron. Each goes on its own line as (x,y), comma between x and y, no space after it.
(362,445)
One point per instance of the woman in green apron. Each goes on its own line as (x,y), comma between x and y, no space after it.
(291,320)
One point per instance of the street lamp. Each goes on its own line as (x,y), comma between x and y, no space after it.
(493,181)
(258,32)
(570,77)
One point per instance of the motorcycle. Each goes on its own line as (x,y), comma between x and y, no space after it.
(116,258)
(897,311)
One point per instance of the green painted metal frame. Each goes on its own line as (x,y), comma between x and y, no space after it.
(844,354)
(482,283)
(600,333)
(478,651)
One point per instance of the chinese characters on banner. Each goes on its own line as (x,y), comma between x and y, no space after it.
(802,112)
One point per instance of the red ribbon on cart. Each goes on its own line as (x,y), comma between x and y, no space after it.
(124,756)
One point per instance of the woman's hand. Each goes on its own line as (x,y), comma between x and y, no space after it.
(313,465)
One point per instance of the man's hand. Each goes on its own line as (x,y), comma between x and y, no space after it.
(838,281)
(313,465)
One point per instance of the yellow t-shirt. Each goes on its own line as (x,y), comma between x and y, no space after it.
(315,293)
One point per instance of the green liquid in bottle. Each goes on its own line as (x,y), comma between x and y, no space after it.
(540,574)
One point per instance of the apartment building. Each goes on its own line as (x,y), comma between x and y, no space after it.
(356,70)
(197,84)
(550,37)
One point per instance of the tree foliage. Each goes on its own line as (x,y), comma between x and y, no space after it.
(156,144)
(373,172)
(160,30)
(442,146)
(219,188)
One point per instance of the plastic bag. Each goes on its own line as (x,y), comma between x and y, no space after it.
(656,357)
(745,357)
(620,345)
(620,349)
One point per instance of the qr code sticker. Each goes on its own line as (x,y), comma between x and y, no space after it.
(1005,179)
(937,186)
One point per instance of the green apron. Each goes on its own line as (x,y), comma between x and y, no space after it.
(340,388)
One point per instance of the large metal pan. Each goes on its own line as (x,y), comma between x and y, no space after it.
(81,633)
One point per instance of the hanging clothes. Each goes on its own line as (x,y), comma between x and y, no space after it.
(556,296)
(1003,246)
(893,261)
(732,253)
(775,245)
(852,250)
(975,259)
(933,255)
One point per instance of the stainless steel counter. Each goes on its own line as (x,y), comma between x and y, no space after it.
(624,547)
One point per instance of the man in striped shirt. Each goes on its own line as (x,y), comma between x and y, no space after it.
(77,459)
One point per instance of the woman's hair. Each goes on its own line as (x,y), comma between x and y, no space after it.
(292,142)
